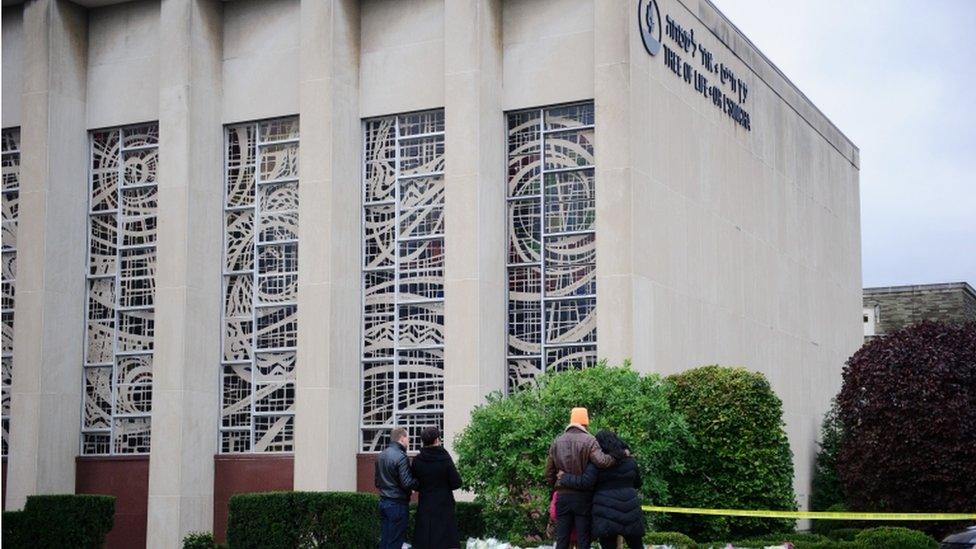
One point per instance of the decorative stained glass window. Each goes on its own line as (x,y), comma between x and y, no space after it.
(117,377)
(403,276)
(551,241)
(10,152)
(260,282)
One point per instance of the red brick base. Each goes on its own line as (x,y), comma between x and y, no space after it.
(126,478)
(243,473)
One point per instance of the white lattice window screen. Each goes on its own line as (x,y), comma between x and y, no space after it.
(10,147)
(260,281)
(117,377)
(403,276)
(551,242)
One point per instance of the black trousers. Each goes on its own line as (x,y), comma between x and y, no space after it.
(610,542)
(573,512)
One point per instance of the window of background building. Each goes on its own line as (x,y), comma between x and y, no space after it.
(10,147)
(260,315)
(403,276)
(121,290)
(552,242)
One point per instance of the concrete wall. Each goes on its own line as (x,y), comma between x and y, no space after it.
(715,244)
(123,64)
(548,52)
(401,56)
(13,64)
(260,59)
(726,224)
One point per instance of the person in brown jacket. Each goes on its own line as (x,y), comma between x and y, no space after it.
(571,452)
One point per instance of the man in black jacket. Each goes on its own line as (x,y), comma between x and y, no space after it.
(394,482)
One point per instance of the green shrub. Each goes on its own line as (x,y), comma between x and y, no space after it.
(740,457)
(891,537)
(826,489)
(799,543)
(15,533)
(470,519)
(308,519)
(844,534)
(198,540)
(58,521)
(825,526)
(502,452)
(674,539)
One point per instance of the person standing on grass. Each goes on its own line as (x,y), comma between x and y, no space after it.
(394,481)
(571,452)
(436,525)
(616,497)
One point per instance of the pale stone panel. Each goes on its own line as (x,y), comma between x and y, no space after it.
(749,241)
(123,64)
(13,63)
(402,56)
(329,294)
(48,334)
(549,51)
(615,243)
(475,215)
(260,59)
(185,407)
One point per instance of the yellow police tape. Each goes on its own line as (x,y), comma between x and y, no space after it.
(811,514)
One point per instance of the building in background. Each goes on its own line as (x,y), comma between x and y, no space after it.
(252,236)
(890,308)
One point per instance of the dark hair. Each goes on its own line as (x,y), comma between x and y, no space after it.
(611,444)
(429,435)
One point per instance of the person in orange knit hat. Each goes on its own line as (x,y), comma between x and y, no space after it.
(571,452)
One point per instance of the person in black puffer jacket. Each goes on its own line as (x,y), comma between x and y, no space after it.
(616,499)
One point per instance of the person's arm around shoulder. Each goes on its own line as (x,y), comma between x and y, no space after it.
(598,458)
(407,480)
(586,481)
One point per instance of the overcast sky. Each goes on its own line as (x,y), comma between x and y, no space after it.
(899,79)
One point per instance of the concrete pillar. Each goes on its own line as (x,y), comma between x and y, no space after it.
(188,286)
(475,226)
(330,195)
(613,23)
(50,305)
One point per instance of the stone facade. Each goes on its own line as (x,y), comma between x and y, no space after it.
(896,307)
(705,225)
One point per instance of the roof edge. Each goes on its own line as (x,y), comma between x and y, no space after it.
(725,31)
(940,286)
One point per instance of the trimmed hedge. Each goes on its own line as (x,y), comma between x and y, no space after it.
(285,520)
(674,539)
(14,530)
(740,457)
(58,521)
(321,519)
(891,537)
(199,540)
(844,534)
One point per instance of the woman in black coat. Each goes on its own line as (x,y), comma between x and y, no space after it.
(436,526)
(616,500)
